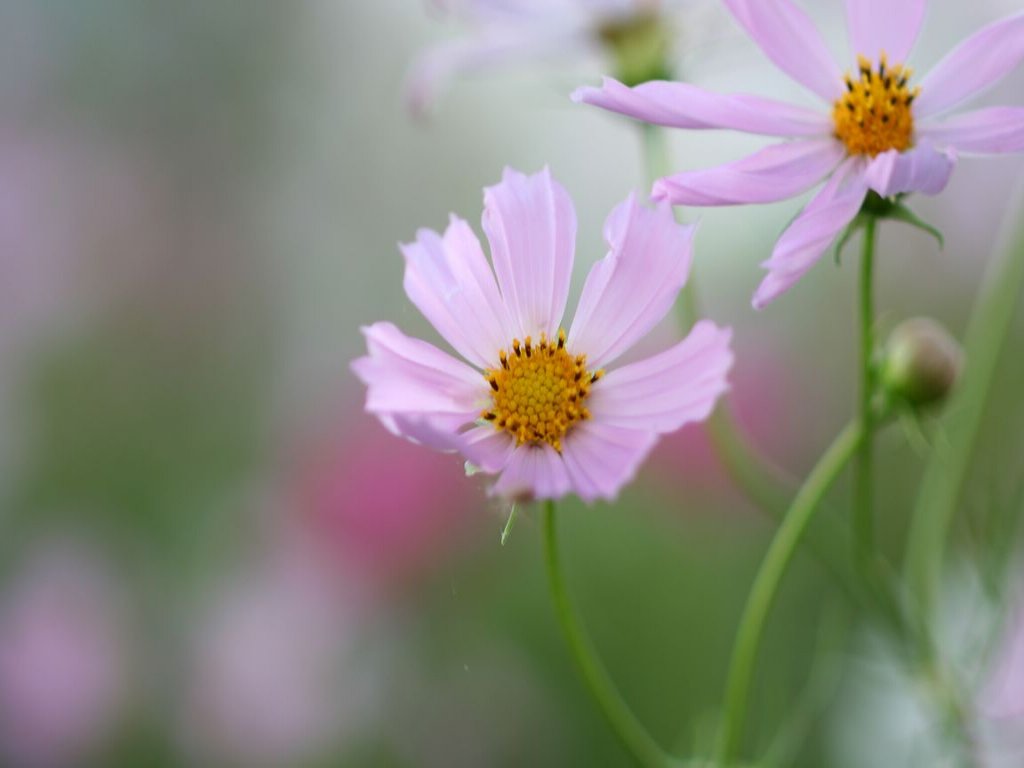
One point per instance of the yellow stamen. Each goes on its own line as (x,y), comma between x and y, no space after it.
(539,391)
(875,114)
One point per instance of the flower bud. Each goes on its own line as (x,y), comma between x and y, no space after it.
(640,46)
(922,362)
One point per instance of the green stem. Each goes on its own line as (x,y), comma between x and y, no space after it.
(766,585)
(656,165)
(863,510)
(765,485)
(630,731)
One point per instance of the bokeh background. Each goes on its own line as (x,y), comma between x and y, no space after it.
(209,556)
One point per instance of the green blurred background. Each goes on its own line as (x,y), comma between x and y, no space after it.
(208,556)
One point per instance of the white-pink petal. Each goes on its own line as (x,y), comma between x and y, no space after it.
(922,169)
(533,472)
(487,447)
(437,432)
(775,173)
(788,37)
(682,105)
(600,459)
(450,282)
(634,286)
(994,130)
(409,381)
(664,392)
(810,234)
(884,26)
(977,63)
(530,223)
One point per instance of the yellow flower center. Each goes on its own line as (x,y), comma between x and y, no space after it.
(874,115)
(539,391)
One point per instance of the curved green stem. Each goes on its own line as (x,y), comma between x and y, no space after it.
(766,585)
(765,485)
(863,508)
(630,731)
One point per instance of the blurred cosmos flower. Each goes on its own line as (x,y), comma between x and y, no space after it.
(269,683)
(634,35)
(387,532)
(909,725)
(536,406)
(62,664)
(880,133)
(1001,700)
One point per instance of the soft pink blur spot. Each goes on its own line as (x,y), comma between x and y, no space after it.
(272,681)
(1003,695)
(61,659)
(757,399)
(382,505)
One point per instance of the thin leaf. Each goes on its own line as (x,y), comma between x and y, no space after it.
(900,212)
(512,514)
(947,469)
(851,228)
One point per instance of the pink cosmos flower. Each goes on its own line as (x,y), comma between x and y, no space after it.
(879,132)
(508,30)
(533,403)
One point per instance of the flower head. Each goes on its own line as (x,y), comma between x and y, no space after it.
(634,34)
(881,130)
(533,403)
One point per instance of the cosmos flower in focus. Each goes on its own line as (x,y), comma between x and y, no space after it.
(532,403)
(635,36)
(882,131)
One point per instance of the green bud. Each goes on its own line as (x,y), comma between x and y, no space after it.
(922,363)
(640,46)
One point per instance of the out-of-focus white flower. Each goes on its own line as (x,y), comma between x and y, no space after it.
(900,707)
(62,650)
(635,35)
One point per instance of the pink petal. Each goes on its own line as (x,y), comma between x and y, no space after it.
(806,239)
(417,390)
(630,290)
(533,472)
(601,459)
(487,448)
(976,64)
(531,225)
(666,391)
(995,130)
(921,169)
(681,105)
(787,36)
(884,26)
(439,433)
(775,173)
(450,282)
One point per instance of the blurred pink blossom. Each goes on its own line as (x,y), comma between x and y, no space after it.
(381,508)
(1002,697)
(61,659)
(272,681)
